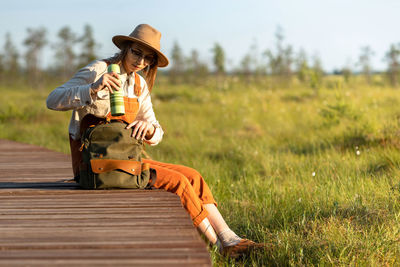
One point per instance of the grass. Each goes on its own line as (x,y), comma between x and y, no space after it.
(315,173)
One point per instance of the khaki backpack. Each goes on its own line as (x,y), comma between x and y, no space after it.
(111,158)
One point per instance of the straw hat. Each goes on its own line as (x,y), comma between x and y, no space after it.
(147,36)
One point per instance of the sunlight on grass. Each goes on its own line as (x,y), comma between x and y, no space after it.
(313,174)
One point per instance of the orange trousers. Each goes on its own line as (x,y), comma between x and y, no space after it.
(188,184)
(183,181)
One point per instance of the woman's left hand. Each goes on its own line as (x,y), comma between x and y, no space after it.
(142,129)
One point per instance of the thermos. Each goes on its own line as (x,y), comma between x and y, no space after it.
(117,97)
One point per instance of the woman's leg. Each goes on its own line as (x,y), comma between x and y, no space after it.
(197,198)
(192,190)
(175,182)
(231,244)
(202,190)
(207,230)
(199,185)
(227,236)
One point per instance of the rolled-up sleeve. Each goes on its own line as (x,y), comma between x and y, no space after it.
(75,93)
(146,113)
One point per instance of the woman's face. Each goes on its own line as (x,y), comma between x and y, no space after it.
(137,58)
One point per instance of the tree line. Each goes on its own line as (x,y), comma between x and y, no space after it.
(65,59)
(281,62)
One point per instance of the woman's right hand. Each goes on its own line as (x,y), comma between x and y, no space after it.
(109,81)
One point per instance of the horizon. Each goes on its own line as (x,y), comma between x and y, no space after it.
(334,30)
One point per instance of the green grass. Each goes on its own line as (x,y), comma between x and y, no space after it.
(315,173)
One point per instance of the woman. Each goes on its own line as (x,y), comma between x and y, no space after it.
(88,93)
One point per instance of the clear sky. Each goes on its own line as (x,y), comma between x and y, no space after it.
(333,29)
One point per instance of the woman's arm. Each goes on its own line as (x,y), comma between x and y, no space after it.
(146,124)
(75,93)
(82,89)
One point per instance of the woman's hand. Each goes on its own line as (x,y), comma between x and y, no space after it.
(142,129)
(109,81)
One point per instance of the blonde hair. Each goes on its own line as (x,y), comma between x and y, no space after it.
(149,73)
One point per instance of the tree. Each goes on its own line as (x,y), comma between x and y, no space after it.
(196,70)
(250,65)
(1,68)
(347,72)
(365,62)
(65,55)
(246,66)
(219,59)
(34,43)
(193,61)
(177,67)
(258,67)
(393,71)
(316,73)
(11,67)
(89,47)
(302,68)
(280,61)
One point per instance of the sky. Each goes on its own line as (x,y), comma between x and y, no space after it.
(335,30)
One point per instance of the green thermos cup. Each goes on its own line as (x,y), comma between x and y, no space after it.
(116,98)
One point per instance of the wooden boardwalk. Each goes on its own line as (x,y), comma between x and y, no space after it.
(46,221)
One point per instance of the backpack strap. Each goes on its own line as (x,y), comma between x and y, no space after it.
(137,87)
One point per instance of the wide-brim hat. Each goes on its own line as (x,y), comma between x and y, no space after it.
(147,36)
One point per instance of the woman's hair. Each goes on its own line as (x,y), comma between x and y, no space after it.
(149,72)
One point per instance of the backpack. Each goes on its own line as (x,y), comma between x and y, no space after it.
(111,158)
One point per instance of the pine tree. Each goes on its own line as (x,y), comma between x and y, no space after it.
(34,42)
(177,67)
(11,66)
(89,47)
(280,61)
(219,59)
(393,71)
(196,70)
(65,55)
(365,62)
(302,67)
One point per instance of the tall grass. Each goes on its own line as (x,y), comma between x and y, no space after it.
(315,173)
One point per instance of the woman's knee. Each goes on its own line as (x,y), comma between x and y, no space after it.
(195,178)
(185,173)
(170,180)
(190,173)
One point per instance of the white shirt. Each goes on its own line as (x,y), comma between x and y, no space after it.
(75,95)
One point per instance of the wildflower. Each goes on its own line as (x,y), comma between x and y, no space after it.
(358,152)
(313,174)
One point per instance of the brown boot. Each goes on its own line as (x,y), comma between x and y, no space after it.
(243,247)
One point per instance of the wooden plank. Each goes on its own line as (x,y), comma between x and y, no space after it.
(99,253)
(79,210)
(189,261)
(46,220)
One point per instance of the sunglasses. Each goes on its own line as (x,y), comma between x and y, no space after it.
(148,59)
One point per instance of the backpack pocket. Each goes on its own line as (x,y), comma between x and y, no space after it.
(110,173)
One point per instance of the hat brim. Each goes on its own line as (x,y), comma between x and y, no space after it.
(119,39)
